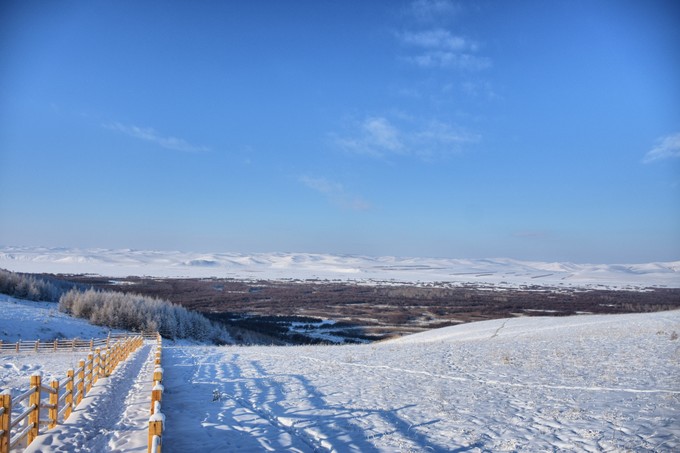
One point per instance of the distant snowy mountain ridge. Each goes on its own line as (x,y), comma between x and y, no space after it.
(499,272)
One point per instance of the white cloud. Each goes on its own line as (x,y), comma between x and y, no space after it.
(479,88)
(150,135)
(382,134)
(376,137)
(667,147)
(321,185)
(433,10)
(441,48)
(336,193)
(442,59)
(438,39)
(444,134)
(379,137)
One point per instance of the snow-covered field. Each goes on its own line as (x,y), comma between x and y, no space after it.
(28,320)
(585,383)
(501,272)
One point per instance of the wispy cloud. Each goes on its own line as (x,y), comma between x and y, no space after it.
(433,10)
(430,43)
(379,137)
(375,136)
(151,135)
(441,48)
(438,39)
(666,147)
(336,193)
(479,88)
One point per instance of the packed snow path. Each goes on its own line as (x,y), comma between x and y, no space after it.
(590,383)
(112,417)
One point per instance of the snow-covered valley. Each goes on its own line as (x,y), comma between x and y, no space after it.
(584,383)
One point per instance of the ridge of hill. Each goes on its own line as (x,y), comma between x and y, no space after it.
(499,272)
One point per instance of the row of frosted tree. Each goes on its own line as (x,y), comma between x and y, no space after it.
(115,310)
(29,287)
(140,313)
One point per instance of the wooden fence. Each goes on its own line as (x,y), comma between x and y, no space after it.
(62,396)
(157,419)
(56,345)
(74,344)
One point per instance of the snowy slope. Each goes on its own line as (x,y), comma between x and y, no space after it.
(28,320)
(586,383)
(589,383)
(502,272)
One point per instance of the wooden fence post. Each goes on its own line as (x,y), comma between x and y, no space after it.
(5,420)
(107,361)
(56,345)
(90,375)
(156,429)
(116,355)
(81,381)
(157,375)
(113,361)
(34,416)
(156,396)
(96,365)
(69,394)
(54,404)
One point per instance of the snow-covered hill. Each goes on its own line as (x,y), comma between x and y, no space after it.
(500,272)
(29,320)
(585,383)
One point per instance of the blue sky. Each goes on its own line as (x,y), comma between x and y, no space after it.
(545,130)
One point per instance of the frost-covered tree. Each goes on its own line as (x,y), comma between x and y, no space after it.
(137,313)
(26,286)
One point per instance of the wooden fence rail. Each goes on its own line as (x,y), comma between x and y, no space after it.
(71,344)
(54,346)
(62,397)
(157,419)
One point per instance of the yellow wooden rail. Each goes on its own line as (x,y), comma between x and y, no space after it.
(62,397)
(157,419)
